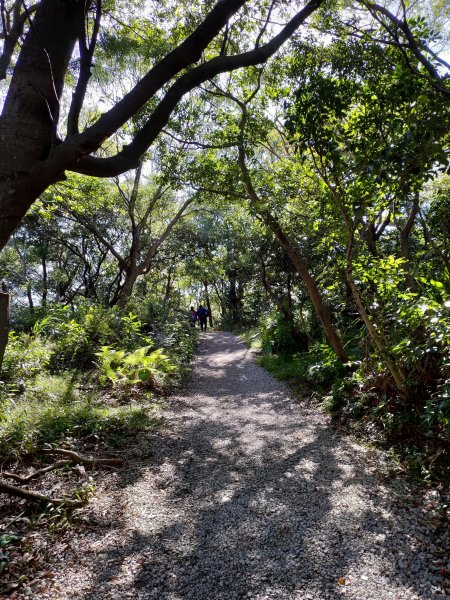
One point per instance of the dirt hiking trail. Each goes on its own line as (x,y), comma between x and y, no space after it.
(248,493)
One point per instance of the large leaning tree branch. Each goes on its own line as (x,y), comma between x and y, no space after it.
(32,158)
(36,158)
(186,54)
(129,156)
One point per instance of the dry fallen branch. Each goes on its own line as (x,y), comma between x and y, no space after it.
(7,525)
(72,458)
(57,465)
(13,490)
(77,458)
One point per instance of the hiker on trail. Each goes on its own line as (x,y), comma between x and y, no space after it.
(202,313)
(192,316)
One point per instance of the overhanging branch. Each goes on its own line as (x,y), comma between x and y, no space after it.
(129,156)
(187,53)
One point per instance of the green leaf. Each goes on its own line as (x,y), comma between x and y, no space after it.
(8,538)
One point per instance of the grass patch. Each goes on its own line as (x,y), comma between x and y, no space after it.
(53,410)
(250,337)
(283,367)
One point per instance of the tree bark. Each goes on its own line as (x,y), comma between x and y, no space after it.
(377,338)
(126,290)
(28,125)
(295,256)
(375,332)
(233,297)
(311,285)
(30,297)
(13,490)
(222,301)
(208,303)
(405,249)
(12,31)
(285,307)
(44,280)
(4,324)
(282,307)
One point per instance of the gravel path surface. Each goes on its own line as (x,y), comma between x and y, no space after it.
(247,493)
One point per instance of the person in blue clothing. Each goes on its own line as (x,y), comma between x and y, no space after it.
(202,314)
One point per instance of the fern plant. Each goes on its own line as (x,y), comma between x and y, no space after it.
(130,368)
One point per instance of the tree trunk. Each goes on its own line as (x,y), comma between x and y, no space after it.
(30,297)
(377,338)
(4,323)
(28,125)
(25,276)
(289,292)
(368,233)
(405,249)
(222,302)
(405,252)
(286,309)
(126,289)
(292,252)
(208,303)
(44,281)
(233,297)
(313,291)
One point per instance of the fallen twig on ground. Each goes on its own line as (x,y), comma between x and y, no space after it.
(13,490)
(71,459)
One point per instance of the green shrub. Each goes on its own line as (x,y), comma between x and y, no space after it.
(130,368)
(283,366)
(79,333)
(321,365)
(280,336)
(250,337)
(25,356)
(54,411)
(23,319)
(179,341)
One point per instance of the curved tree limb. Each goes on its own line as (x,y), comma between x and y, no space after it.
(87,49)
(187,53)
(57,465)
(129,156)
(415,46)
(11,32)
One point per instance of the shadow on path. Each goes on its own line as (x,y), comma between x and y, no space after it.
(250,495)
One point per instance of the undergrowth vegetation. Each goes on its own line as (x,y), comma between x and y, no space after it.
(78,381)
(362,397)
(90,373)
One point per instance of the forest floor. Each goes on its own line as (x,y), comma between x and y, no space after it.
(248,492)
